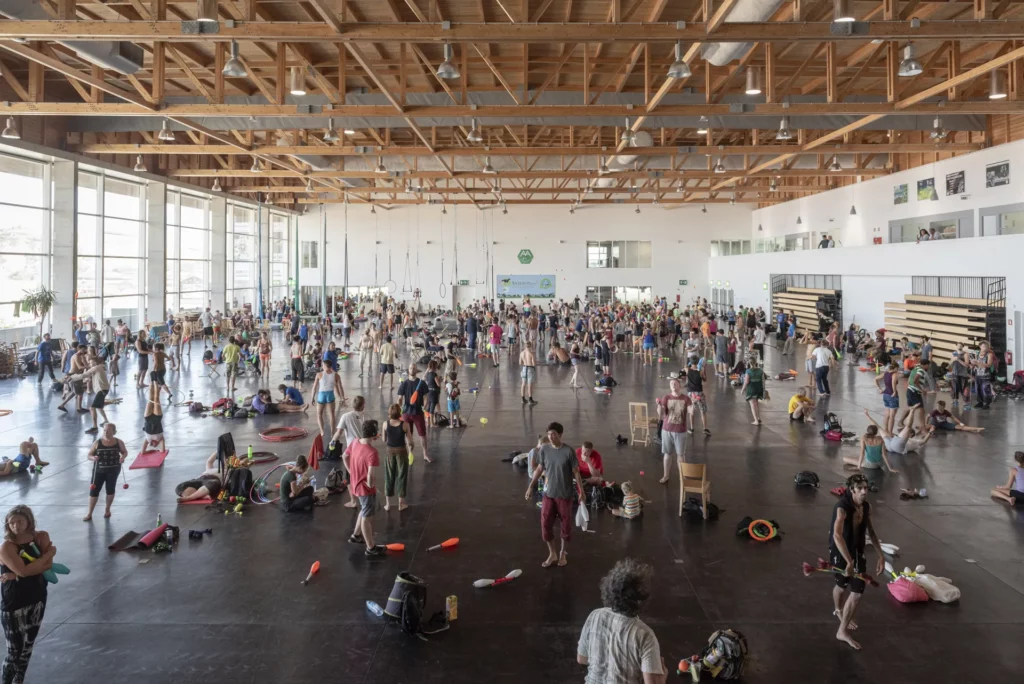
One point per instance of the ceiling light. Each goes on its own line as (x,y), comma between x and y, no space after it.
(216,185)
(380,166)
(835,165)
(604,167)
(298,82)
(572,209)
(267,199)
(589,190)
(444,210)
(233,68)
(938,132)
(704,209)
(140,165)
(841,11)
(702,126)
(732,200)
(309,186)
(853,210)
(798,220)
(255,165)
(759,228)
(504,209)
(165,132)
(487,166)
(330,135)
(474,134)
(11,131)
(206,11)
(349,131)
(753,81)
(772,185)
(446,69)
(627,134)
(679,68)
(719,166)
(996,85)
(373,209)
(909,66)
(784,132)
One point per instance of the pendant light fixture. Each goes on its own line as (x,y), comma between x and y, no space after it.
(380,166)
(784,132)
(255,168)
(474,134)
(11,130)
(719,166)
(938,132)
(702,126)
(330,135)
(140,166)
(206,11)
(216,185)
(447,70)
(704,209)
(679,68)
(233,68)
(909,66)
(487,166)
(297,81)
(841,11)
(603,168)
(853,210)
(996,85)
(627,134)
(753,81)
(165,134)
(835,166)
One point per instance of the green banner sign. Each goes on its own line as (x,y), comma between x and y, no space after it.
(683,282)
(525,256)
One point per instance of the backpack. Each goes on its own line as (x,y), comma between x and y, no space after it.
(239,482)
(336,481)
(406,604)
(832,422)
(208,355)
(57,386)
(692,505)
(725,655)
(806,478)
(442,421)
(601,497)
(224,403)
(196,407)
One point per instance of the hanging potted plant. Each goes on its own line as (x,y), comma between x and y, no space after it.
(39,302)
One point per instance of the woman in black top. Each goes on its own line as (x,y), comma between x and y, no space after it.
(142,347)
(397,434)
(23,588)
(107,455)
(433,391)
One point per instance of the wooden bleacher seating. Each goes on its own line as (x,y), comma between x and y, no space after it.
(945,320)
(801,302)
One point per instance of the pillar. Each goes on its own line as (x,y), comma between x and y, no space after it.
(156,252)
(219,255)
(65,248)
(263,252)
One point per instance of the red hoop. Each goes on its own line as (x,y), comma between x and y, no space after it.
(283,434)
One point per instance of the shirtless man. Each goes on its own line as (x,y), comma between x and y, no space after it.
(851,522)
(528,373)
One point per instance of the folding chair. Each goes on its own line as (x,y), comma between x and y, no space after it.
(211,365)
(693,478)
(639,426)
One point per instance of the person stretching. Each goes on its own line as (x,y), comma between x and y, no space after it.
(264,403)
(1013,490)
(107,454)
(363,463)
(872,452)
(296,490)
(153,422)
(27,451)
(944,420)
(561,471)
(98,375)
(905,441)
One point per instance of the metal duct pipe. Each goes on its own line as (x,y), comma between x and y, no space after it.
(624,161)
(755,11)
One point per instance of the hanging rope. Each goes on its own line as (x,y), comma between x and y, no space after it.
(376,246)
(477,229)
(407,274)
(441,289)
(418,247)
(345,289)
(391,285)
(455,257)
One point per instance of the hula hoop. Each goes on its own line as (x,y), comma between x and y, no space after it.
(771,534)
(5,412)
(263,457)
(283,434)
(257,496)
(442,290)
(390,286)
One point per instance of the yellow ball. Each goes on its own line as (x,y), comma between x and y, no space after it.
(483,421)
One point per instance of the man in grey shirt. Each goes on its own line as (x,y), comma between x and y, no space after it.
(562,472)
(721,354)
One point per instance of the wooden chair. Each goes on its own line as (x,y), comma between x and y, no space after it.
(639,426)
(693,478)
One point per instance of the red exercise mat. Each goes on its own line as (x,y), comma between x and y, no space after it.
(205,501)
(133,540)
(148,459)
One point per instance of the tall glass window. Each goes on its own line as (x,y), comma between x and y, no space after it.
(25,221)
(188,251)
(279,227)
(111,249)
(241,261)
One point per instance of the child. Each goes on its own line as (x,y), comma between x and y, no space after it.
(632,504)
(1013,490)
(115,367)
(452,387)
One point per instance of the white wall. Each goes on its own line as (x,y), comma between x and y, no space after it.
(681,245)
(829,212)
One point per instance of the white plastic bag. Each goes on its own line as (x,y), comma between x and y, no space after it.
(938,588)
(582,517)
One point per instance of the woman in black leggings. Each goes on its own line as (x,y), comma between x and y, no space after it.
(23,588)
(107,455)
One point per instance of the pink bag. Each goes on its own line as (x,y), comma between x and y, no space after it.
(905,591)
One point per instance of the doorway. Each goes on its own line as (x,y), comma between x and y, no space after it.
(462,296)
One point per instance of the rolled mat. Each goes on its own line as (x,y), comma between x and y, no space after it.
(203,502)
(148,459)
(133,540)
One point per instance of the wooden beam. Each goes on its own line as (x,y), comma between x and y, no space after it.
(719,16)
(200,86)
(497,74)
(262,85)
(281,74)
(13,82)
(830,72)
(567,53)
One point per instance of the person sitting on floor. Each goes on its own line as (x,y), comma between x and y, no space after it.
(632,503)
(532,458)
(1013,491)
(557,355)
(290,395)
(872,452)
(591,465)
(27,451)
(296,490)
(944,420)
(801,406)
(207,485)
(263,403)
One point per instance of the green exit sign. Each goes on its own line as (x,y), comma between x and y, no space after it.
(683,282)
(463,282)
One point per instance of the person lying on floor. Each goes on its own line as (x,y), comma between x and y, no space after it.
(906,440)
(944,420)
(1013,491)
(263,403)
(296,491)
(27,451)
(207,485)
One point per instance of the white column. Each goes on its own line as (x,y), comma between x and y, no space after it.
(264,257)
(156,252)
(65,247)
(219,255)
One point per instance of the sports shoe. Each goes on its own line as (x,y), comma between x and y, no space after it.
(356,539)
(92,431)
(532,401)
(373,551)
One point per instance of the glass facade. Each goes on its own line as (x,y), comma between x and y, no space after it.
(25,229)
(241,256)
(280,228)
(188,251)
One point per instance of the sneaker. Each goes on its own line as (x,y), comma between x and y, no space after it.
(92,431)
(374,551)
(532,402)
(356,539)
(979,405)
(83,410)
(61,408)
(524,400)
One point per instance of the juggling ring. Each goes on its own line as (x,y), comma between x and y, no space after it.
(390,286)
(442,290)
(257,497)
(5,412)
(283,434)
(772,532)
(263,457)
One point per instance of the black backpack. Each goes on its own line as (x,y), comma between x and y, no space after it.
(725,655)
(336,481)
(692,506)
(239,482)
(406,605)
(832,422)
(208,355)
(806,478)
(605,497)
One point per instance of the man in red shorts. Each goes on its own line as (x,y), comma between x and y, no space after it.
(412,391)
(562,480)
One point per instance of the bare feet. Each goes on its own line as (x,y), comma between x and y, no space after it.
(350,504)
(107,514)
(852,626)
(402,506)
(843,635)
(42,463)
(87,518)
(663,480)
(563,559)
(551,560)
(387,506)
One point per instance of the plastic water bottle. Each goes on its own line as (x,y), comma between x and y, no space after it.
(250,452)
(374,608)
(159,520)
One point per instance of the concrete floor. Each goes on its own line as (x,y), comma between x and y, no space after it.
(231,608)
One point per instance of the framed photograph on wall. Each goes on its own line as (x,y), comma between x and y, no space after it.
(997,174)
(899,194)
(926,190)
(956,184)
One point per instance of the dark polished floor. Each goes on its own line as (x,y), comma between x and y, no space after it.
(231,608)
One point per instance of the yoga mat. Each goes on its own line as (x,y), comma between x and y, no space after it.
(148,459)
(134,540)
(202,502)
